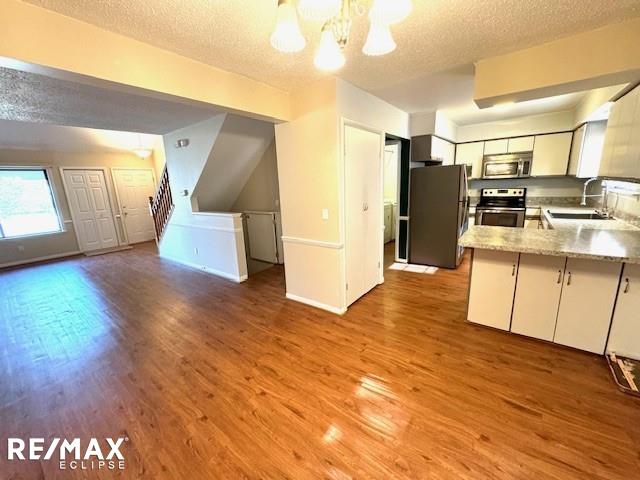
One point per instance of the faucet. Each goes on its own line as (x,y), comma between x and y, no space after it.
(584,191)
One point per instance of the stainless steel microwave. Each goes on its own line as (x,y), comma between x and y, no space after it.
(510,165)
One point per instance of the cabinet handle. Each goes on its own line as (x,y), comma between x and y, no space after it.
(569,279)
(559,276)
(626,285)
(513,271)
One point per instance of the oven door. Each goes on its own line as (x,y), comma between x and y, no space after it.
(502,169)
(499,217)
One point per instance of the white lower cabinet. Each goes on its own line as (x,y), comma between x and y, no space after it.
(493,283)
(586,304)
(624,338)
(538,290)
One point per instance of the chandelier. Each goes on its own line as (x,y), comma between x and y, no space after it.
(337,16)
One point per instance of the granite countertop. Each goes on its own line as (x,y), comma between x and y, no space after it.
(597,244)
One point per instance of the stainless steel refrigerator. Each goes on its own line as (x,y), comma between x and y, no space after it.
(438,215)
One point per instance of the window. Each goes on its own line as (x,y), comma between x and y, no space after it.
(26,203)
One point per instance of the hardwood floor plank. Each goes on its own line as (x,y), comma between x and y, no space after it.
(210,379)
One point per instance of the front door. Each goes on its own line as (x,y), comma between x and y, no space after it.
(90,208)
(134,189)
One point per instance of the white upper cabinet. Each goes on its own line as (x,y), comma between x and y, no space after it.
(520,144)
(586,150)
(586,305)
(621,154)
(471,154)
(551,154)
(443,150)
(496,147)
(624,338)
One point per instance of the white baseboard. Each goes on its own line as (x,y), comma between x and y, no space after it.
(212,271)
(313,303)
(40,259)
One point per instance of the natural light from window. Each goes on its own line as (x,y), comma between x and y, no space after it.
(26,203)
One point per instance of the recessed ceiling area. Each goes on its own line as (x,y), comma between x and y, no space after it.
(56,138)
(439,35)
(31,97)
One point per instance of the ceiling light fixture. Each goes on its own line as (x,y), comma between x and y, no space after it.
(319,10)
(334,35)
(142,152)
(287,36)
(329,56)
(379,41)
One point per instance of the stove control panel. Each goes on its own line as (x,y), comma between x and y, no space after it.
(503,192)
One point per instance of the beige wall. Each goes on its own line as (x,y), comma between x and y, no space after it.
(44,38)
(606,56)
(29,248)
(261,192)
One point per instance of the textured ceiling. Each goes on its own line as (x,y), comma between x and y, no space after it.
(54,138)
(29,97)
(439,35)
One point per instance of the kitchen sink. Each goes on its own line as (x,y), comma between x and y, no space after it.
(578,216)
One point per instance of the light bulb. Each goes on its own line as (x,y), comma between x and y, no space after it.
(319,10)
(379,41)
(329,56)
(388,12)
(142,152)
(287,36)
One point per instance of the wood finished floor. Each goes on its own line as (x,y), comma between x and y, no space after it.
(214,380)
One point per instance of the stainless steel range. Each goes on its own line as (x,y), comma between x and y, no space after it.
(502,207)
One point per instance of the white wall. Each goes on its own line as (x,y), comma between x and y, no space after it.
(212,242)
(311,173)
(238,148)
(422,123)
(307,150)
(526,125)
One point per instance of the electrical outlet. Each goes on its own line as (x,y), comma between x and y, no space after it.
(21,248)
(325,214)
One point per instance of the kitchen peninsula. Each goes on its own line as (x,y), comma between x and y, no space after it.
(569,284)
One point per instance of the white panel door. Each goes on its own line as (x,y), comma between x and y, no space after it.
(83,212)
(586,306)
(551,154)
(493,283)
(363,209)
(535,308)
(624,338)
(134,189)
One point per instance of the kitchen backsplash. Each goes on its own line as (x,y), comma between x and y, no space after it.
(625,206)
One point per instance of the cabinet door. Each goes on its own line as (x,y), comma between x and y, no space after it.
(551,154)
(443,150)
(576,150)
(588,296)
(610,140)
(535,307)
(624,338)
(520,144)
(471,154)
(493,283)
(621,155)
(496,147)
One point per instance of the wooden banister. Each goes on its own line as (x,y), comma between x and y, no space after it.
(161,205)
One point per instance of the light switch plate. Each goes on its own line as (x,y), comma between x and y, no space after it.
(325,214)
